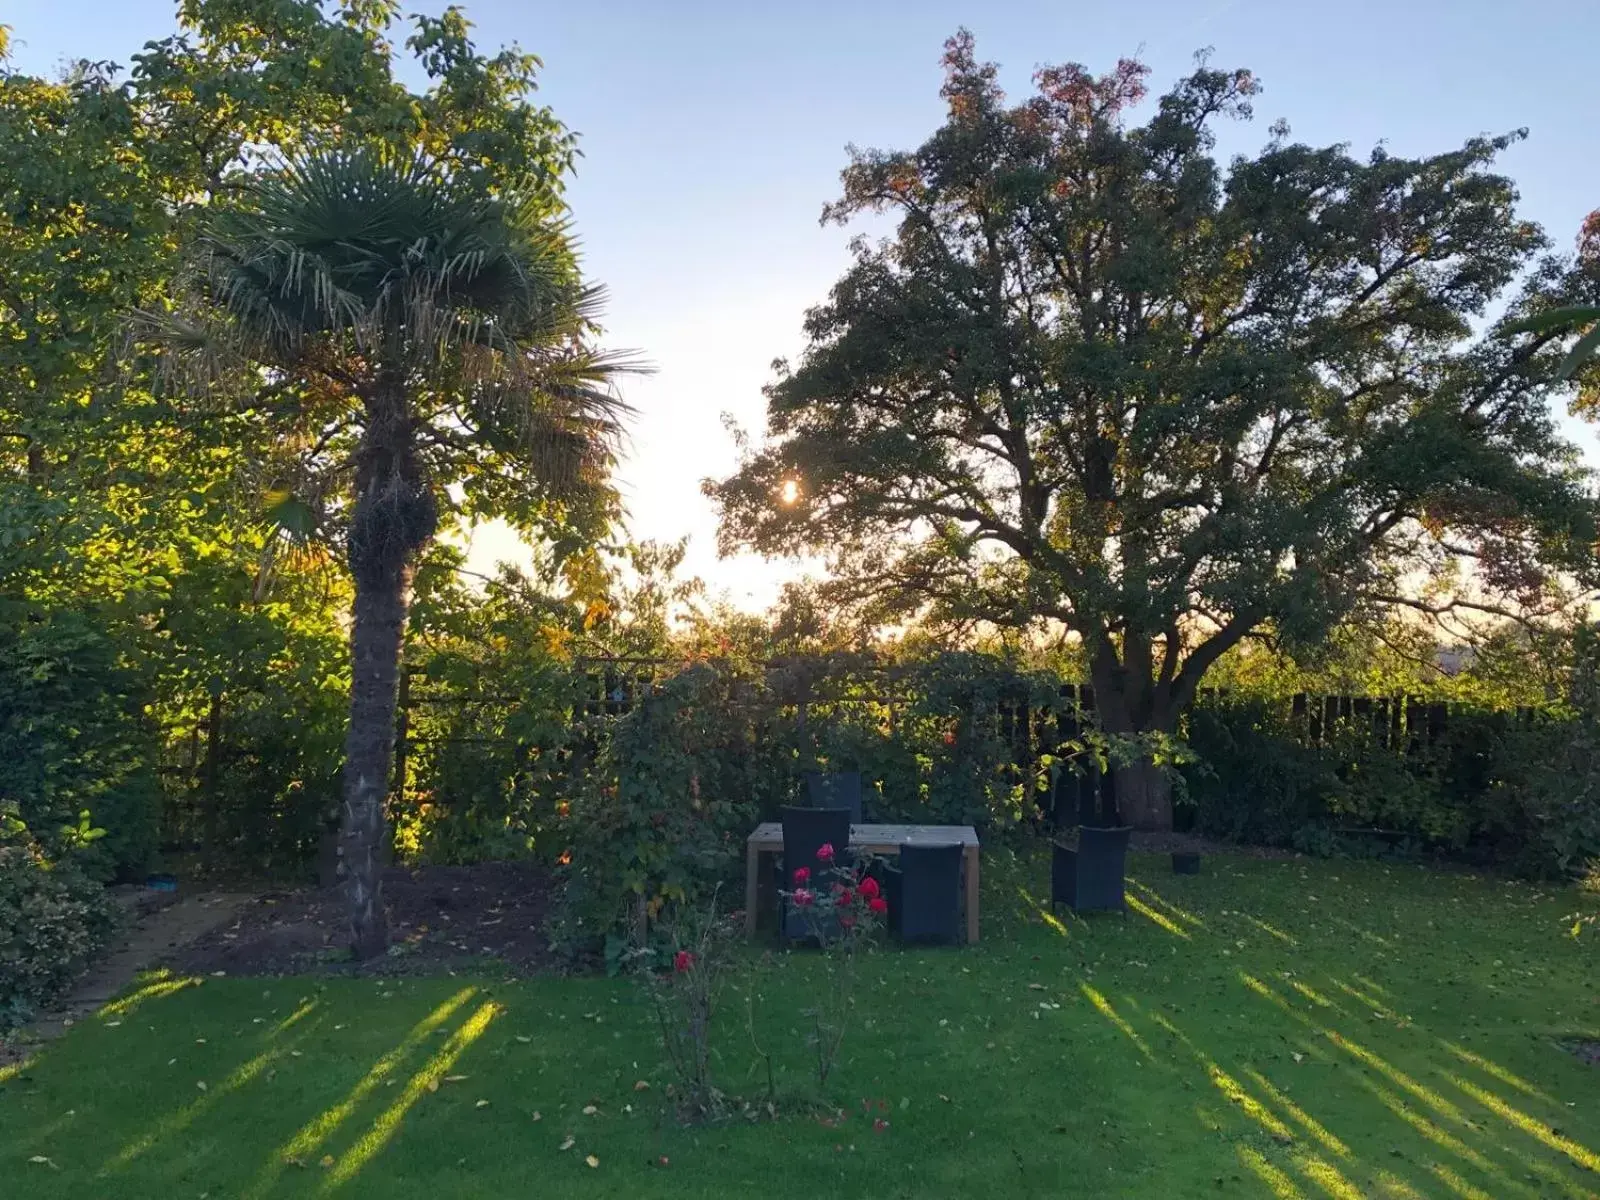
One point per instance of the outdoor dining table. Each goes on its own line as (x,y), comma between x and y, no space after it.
(874,839)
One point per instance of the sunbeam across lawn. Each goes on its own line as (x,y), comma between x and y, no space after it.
(1274,1029)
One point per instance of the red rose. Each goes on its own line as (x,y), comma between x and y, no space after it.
(842,894)
(847,921)
(682,961)
(825,852)
(878,905)
(803,897)
(802,875)
(949,738)
(868,887)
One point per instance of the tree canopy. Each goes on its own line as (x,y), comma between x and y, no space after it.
(1096,377)
(194,524)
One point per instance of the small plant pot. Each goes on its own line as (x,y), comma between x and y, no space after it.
(1185,863)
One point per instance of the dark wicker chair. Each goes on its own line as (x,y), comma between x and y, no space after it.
(837,789)
(1089,877)
(927,896)
(805,830)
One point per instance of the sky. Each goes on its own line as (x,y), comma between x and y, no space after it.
(713,131)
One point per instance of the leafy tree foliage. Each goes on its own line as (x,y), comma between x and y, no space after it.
(1095,378)
(1584,318)
(197,535)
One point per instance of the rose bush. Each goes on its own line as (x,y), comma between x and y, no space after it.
(684,995)
(845,912)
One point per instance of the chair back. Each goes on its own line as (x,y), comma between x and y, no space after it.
(930,892)
(1095,792)
(835,789)
(805,830)
(1102,865)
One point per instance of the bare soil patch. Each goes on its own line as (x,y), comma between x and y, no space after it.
(1193,843)
(439,918)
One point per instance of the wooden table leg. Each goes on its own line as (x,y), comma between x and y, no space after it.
(752,874)
(972,895)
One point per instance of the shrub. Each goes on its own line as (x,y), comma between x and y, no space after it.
(926,733)
(73,736)
(1250,780)
(1547,789)
(663,819)
(1520,793)
(54,920)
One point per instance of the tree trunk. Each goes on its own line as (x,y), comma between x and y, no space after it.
(1144,796)
(394,519)
(376,633)
(1132,703)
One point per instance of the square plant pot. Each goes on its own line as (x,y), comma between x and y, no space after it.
(1089,877)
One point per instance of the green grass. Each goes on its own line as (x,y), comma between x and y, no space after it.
(1265,1029)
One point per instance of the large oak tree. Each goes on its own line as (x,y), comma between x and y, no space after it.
(1095,377)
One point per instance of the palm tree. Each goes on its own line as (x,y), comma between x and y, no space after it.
(435,328)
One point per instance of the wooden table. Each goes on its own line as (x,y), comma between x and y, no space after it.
(876,839)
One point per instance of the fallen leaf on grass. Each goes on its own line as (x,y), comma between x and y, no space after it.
(589,1110)
(538,1116)
(433,1085)
(663,1161)
(641,1086)
(592,1161)
(1036,987)
(292,1161)
(454,1078)
(524,1039)
(201,1085)
(327,1160)
(481,1104)
(42,1161)
(569,1143)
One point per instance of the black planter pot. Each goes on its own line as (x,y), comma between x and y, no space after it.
(1089,877)
(1185,862)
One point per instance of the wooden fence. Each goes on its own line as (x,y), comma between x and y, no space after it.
(1028,730)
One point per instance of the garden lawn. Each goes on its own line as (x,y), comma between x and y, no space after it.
(1268,1028)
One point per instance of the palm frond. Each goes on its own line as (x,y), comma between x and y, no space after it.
(1581,353)
(360,270)
(1563,320)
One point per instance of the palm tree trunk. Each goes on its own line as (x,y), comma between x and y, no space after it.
(376,634)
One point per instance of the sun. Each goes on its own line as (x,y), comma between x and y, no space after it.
(790,492)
